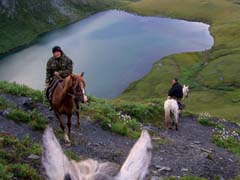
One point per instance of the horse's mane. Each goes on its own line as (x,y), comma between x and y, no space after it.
(69,80)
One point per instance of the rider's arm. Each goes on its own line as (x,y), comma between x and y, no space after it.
(48,73)
(67,70)
(171,92)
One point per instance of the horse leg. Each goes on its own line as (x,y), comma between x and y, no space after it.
(167,118)
(66,139)
(176,117)
(77,112)
(59,120)
(69,123)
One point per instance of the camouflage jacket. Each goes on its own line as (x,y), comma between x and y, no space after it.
(63,65)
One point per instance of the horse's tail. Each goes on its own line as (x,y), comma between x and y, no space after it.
(167,114)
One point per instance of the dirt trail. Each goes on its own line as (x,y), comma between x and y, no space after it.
(189,151)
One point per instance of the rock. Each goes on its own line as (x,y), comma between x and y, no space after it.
(28,104)
(184,170)
(6,112)
(196,142)
(204,154)
(33,156)
(154,172)
(163,168)
(1,112)
(205,150)
(222,178)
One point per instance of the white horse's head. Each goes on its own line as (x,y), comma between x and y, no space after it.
(59,167)
(185,91)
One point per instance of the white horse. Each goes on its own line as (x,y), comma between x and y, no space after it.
(171,106)
(59,167)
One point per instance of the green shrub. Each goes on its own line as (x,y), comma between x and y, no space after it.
(13,155)
(35,119)
(227,139)
(136,110)
(23,171)
(4,174)
(207,122)
(21,90)
(133,124)
(231,144)
(106,124)
(38,121)
(72,155)
(3,103)
(19,116)
(134,134)
(119,128)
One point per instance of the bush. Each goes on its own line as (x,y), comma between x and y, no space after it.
(19,116)
(21,90)
(4,174)
(23,171)
(4,104)
(38,121)
(227,139)
(35,119)
(13,155)
(136,110)
(119,128)
(72,155)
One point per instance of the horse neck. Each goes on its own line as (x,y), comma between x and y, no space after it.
(184,94)
(65,86)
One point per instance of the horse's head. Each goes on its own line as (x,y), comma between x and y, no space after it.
(78,87)
(185,91)
(58,166)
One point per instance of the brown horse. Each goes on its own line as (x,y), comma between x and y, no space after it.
(69,92)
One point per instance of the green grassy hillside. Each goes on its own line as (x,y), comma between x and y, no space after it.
(213,74)
(22,21)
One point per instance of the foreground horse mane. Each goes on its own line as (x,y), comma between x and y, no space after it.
(59,167)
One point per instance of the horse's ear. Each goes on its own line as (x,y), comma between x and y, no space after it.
(53,158)
(82,74)
(184,86)
(138,161)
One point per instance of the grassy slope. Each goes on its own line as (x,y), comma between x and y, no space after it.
(212,75)
(32,18)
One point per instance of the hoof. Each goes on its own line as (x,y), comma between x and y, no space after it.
(68,144)
(66,139)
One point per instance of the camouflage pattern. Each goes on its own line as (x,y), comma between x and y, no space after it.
(62,65)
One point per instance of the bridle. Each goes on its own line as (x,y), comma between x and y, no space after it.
(78,91)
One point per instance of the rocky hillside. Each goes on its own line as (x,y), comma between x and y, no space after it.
(22,21)
(202,149)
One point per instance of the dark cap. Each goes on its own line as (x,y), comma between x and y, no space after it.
(56,48)
(176,79)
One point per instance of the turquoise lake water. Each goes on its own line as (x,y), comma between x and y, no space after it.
(113,48)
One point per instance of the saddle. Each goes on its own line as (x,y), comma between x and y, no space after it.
(51,88)
(181,106)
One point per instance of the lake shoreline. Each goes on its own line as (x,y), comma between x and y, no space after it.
(149,38)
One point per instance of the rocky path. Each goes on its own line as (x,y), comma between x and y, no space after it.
(189,151)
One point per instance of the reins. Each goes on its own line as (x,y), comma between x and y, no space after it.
(70,94)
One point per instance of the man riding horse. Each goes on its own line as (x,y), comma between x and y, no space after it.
(175,92)
(58,66)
